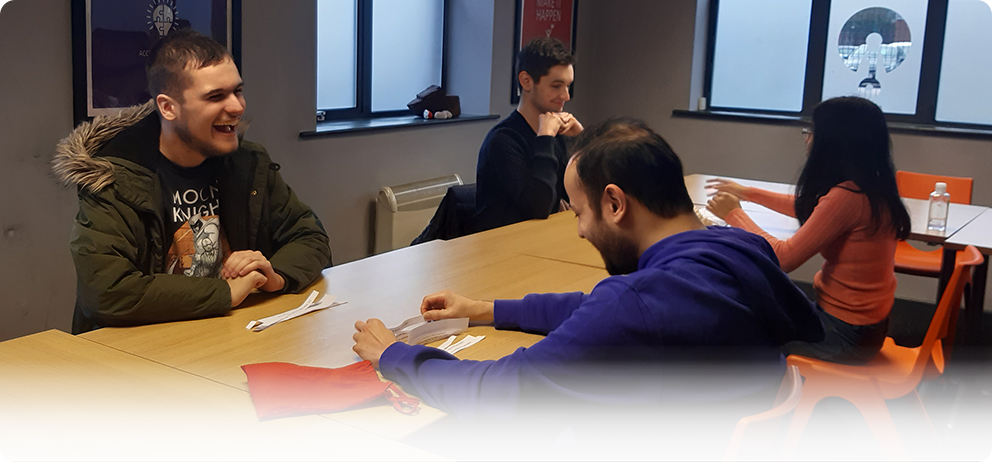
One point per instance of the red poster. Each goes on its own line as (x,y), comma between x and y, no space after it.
(546,18)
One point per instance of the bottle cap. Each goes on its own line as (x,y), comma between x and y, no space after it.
(940,187)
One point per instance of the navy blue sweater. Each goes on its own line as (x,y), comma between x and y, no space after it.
(698,295)
(519,174)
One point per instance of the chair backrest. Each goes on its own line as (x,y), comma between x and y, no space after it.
(919,186)
(786,401)
(947,309)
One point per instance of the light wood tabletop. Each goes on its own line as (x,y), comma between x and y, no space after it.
(68,398)
(388,286)
(555,238)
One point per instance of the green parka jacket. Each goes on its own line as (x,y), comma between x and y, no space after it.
(118,242)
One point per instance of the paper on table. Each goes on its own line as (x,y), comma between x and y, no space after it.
(707,217)
(447,343)
(416,330)
(464,343)
(308,306)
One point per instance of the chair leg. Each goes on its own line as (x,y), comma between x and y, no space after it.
(923,420)
(876,414)
(812,394)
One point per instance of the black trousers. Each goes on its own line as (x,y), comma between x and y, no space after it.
(844,343)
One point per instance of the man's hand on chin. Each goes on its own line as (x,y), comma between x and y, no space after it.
(570,126)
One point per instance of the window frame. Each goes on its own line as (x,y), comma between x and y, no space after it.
(363,68)
(816,53)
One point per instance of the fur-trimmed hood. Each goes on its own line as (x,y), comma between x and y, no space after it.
(75,165)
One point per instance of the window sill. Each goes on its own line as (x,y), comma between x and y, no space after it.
(336,127)
(895,127)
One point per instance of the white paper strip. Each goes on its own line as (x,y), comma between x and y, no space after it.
(416,330)
(463,344)
(308,306)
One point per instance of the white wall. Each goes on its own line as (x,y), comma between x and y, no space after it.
(337,176)
(635,59)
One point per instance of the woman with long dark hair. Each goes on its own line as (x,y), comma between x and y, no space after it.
(850,212)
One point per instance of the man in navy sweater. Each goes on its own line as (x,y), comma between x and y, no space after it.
(523,158)
(680,294)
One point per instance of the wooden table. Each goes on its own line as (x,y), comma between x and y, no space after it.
(68,398)
(388,286)
(979,234)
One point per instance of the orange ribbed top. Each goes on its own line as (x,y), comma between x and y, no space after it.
(857,282)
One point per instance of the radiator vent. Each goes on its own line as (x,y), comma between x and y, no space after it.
(403,211)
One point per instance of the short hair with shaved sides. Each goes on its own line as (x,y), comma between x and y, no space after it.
(540,55)
(172,57)
(626,153)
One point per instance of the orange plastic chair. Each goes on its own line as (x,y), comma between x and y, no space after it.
(909,259)
(785,401)
(893,373)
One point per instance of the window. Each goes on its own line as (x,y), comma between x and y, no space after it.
(921,61)
(374,56)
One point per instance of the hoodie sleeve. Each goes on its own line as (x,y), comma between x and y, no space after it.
(472,389)
(537,313)
(113,290)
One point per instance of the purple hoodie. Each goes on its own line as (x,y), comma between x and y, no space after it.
(714,296)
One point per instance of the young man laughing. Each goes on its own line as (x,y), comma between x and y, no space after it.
(178,217)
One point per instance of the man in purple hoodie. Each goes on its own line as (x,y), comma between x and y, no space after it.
(681,296)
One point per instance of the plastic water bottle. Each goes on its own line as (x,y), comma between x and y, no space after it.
(939,201)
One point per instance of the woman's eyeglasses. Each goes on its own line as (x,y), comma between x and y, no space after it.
(807,134)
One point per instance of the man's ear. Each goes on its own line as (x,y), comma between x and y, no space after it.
(167,107)
(525,80)
(614,203)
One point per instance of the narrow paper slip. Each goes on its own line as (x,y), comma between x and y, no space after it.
(707,217)
(466,342)
(416,330)
(310,305)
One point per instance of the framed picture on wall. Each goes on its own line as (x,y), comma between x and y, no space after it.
(111,40)
(541,18)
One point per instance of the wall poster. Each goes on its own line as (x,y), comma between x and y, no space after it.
(111,40)
(541,18)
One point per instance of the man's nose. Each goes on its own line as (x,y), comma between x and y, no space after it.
(235,105)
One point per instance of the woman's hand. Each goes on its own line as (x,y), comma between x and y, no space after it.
(722,204)
(719,185)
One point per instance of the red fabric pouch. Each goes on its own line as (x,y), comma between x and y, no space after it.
(283,389)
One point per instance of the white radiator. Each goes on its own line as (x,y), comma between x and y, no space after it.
(403,211)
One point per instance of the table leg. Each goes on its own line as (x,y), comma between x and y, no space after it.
(972,330)
(946,269)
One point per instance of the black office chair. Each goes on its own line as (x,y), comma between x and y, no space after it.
(453,216)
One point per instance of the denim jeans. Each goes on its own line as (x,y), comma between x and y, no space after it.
(844,343)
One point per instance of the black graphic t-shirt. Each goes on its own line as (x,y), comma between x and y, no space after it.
(197,245)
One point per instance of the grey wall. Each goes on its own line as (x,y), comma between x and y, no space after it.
(37,280)
(338,176)
(635,58)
